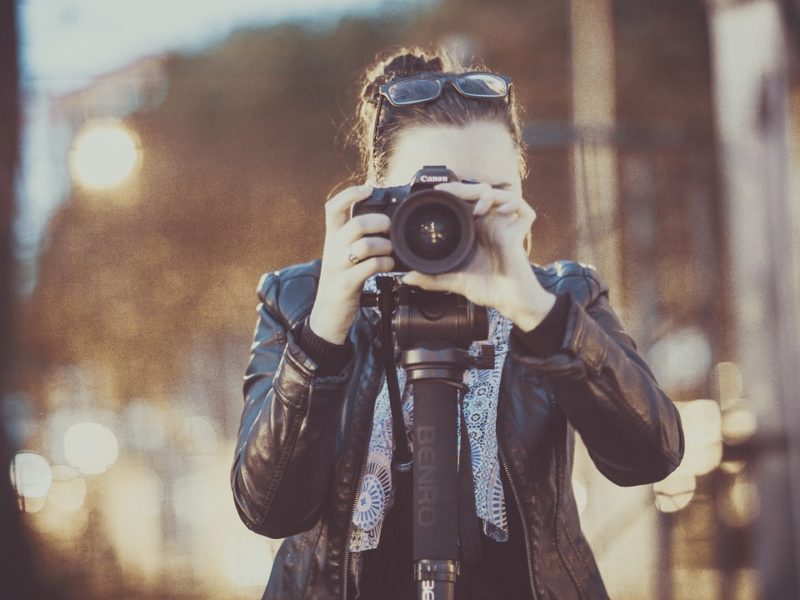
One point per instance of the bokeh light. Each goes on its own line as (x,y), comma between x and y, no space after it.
(246,558)
(31,477)
(703,432)
(104,155)
(68,490)
(199,435)
(65,516)
(132,498)
(90,447)
(738,425)
(581,494)
(682,359)
(739,506)
(676,491)
(146,426)
(729,382)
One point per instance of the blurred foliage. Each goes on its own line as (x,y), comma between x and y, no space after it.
(238,160)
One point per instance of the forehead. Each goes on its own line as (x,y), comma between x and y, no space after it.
(483,150)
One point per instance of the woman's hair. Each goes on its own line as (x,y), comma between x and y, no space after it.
(451,108)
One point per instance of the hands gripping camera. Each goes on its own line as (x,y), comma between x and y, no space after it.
(456,236)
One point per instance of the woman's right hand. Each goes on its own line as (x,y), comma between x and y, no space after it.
(341,280)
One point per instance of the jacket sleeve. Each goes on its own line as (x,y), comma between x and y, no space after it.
(285,450)
(631,429)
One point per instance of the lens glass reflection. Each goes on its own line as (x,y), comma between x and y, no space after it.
(433,232)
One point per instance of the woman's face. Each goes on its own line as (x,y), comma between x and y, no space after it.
(483,151)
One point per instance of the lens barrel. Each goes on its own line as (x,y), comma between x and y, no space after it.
(433,232)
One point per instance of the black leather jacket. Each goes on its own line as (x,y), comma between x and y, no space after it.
(303,438)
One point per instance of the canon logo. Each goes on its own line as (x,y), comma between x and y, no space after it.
(434,178)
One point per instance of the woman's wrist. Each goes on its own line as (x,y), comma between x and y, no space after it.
(327,328)
(525,302)
(531,311)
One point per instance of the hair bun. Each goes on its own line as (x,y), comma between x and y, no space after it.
(408,64)
(403,63)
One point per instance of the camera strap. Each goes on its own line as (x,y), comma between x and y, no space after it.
(401,458)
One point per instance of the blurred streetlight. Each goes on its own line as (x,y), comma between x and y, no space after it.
(104,154)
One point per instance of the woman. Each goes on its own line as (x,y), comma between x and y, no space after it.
(312,458)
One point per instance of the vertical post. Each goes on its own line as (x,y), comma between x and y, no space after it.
(594,157)
(750,87)
(15,569)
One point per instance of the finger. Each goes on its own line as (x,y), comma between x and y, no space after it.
(508,208)
(490,198)
(522,208)
(527,212)
(358,227)
(366,268)
(337,209)
(432,283)
(465,191)
(369,246)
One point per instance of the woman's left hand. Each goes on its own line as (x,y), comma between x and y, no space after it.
(499,273)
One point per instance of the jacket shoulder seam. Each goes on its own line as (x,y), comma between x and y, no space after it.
(270,287)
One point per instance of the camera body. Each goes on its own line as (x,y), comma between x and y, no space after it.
(432,231)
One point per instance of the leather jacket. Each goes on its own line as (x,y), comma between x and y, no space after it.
(303,438)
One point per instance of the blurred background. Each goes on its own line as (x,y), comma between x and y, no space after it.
(157,157)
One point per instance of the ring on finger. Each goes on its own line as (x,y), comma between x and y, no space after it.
(352,257)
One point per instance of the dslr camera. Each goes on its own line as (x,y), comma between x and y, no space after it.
(432,231)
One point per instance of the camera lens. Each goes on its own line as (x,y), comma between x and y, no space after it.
(433,232)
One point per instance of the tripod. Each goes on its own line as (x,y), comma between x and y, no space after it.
(434,331)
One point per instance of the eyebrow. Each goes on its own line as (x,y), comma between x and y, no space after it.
(501,186)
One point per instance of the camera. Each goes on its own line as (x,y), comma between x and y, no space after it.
(432,231)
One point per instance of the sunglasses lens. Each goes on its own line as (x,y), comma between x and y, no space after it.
(484,85)
(413,91)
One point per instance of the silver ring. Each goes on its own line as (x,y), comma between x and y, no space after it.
(352,257)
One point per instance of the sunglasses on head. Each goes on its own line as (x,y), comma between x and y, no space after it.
(427,87)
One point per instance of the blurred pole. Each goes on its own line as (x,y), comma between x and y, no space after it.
(750,86)
(16,578)
(594,157)
(595,167)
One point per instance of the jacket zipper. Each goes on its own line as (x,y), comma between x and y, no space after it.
(349,530)
(522,518)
